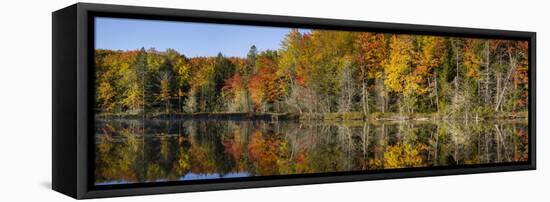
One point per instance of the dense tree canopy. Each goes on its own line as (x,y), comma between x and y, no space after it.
(322,71)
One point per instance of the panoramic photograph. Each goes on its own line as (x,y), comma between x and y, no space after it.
(184,101)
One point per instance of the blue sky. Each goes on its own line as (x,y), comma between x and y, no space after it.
(190,39)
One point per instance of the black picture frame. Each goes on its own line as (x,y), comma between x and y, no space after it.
(73,93)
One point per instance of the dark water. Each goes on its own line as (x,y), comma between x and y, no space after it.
(132,152)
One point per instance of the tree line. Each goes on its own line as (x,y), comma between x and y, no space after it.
(322,71)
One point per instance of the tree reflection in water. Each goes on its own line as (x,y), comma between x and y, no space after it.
(130,151)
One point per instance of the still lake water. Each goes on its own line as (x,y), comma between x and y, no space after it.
(129,151)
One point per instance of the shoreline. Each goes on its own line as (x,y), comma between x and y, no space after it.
(335,116)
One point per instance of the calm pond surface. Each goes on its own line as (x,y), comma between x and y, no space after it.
(129,151)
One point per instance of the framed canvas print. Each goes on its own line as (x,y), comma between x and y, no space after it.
(155,100)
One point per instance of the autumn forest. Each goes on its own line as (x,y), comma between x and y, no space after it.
(321,101)
(323,74)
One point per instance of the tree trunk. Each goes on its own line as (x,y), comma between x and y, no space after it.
(436,94)
(487,64)
(498,92)
(500,97)
(365,98)
(457,65)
